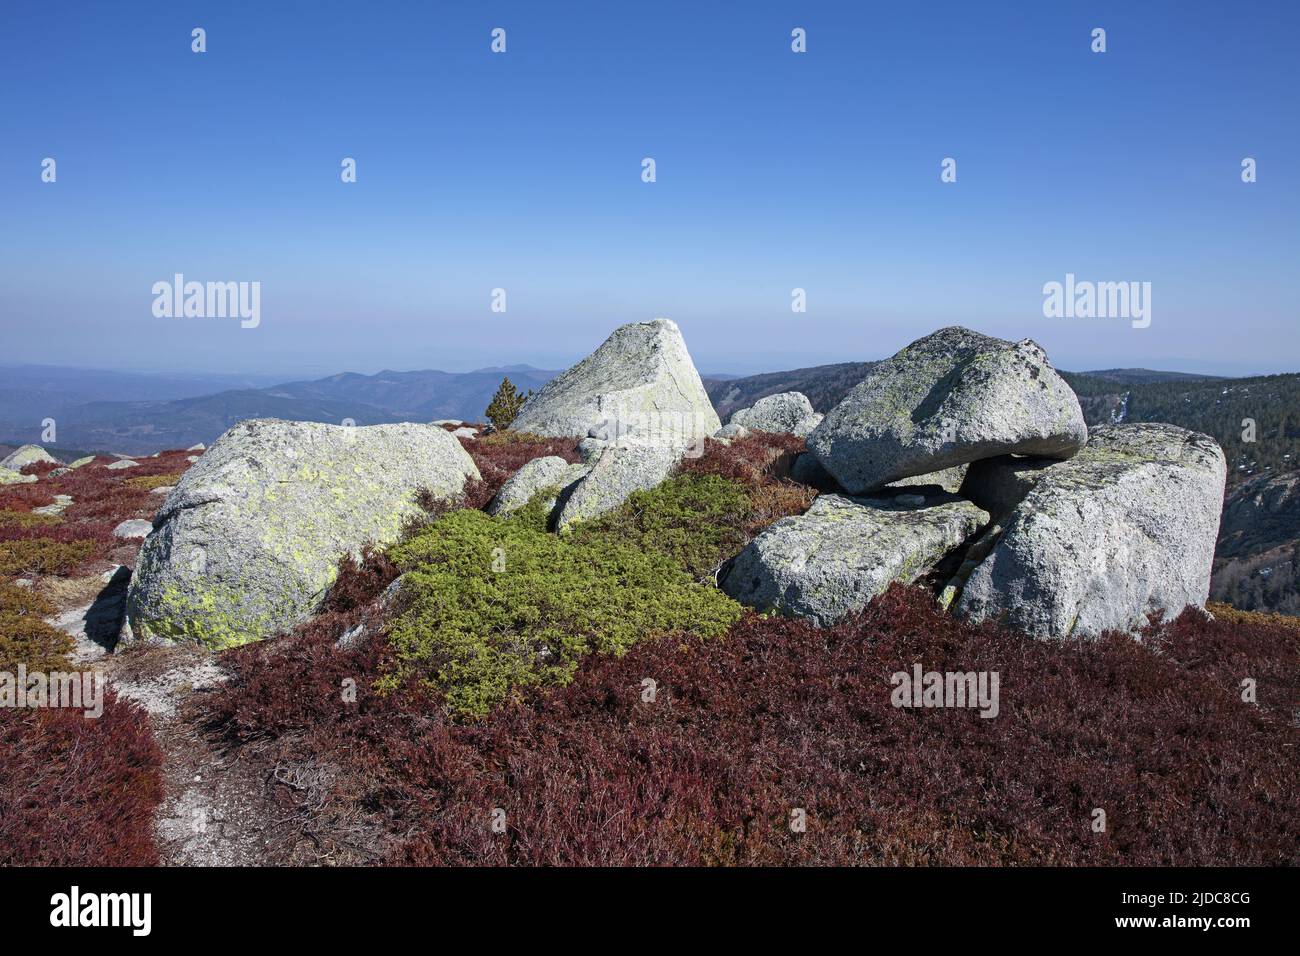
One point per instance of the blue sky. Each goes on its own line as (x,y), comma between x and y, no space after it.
(775,170)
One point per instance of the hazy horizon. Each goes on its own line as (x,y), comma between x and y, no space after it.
(522,171)
(303,373)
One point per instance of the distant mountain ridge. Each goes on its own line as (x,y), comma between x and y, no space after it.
(37,392)
(86,418)
(146,426)
(416,396)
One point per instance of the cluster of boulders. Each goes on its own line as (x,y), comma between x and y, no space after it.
(963,461)
(11,466)
(1052,531)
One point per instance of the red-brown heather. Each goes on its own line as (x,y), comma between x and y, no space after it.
(775,717)
(782,716)
(500,455)
(101,500)
(78,791)
(758,458)
(761,462)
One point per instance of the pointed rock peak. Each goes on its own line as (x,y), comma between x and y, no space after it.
(27,455)
(640,380)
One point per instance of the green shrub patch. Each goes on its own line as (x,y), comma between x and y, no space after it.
(697,520)
(493,606)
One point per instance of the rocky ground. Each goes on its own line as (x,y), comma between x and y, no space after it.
(559,646)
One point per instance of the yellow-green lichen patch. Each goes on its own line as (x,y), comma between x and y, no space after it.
(207,614)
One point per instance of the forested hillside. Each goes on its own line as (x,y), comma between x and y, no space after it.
(824,385)
(1256,420)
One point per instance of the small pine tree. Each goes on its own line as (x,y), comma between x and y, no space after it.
(505,404)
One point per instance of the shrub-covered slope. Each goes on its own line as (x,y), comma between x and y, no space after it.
(680,748)
(73,791)
(779,716)
(592,699)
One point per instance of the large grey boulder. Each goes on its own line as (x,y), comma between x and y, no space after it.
(789,412)
(948,399)
(550,471)
(26,455)
(615,475)
(641,378)
(844,551)
(249,540)
(1125,528)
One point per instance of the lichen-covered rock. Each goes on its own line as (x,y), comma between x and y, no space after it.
(641,378)
(999,484)
(133,528)
(20,458)
(788,412)
(948,399)
(60,504)
(589,449)
(844,551)
(550,471)
(8,477)
(1125,528)
(122,464)
(249,541)
(619,471)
